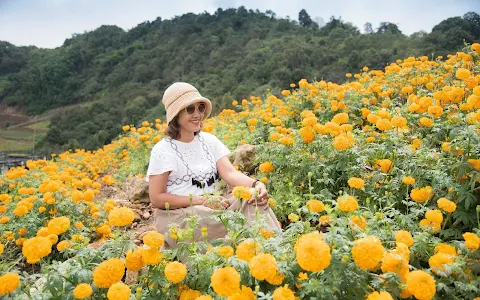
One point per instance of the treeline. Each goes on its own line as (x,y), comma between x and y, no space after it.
(230,54)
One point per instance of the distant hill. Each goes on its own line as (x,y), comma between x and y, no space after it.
(227,55)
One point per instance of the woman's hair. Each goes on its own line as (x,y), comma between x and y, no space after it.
(173,129)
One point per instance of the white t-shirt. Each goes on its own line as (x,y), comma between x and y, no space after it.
(163,158)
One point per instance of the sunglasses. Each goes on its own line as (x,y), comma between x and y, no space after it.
(201,107)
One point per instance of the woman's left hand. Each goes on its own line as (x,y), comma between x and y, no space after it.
(263,196)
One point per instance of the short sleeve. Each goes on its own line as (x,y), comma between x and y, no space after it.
(218,148)
(161,161)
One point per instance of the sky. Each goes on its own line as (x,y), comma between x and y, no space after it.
(47,23)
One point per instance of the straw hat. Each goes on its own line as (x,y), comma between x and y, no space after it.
(180,95)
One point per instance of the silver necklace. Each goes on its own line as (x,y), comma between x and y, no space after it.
(197,180)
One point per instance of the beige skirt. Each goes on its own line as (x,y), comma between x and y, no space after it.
(215,230)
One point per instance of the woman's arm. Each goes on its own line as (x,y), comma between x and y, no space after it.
(157,190)
(230,175)
(234,178)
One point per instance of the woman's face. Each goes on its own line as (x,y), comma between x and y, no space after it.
(190,118)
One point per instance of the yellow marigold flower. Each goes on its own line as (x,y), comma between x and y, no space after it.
(431,227)
(312,252)
(379,296)
(262,266)
(395,262)
(385,165)
(358,221)
(134,260)
(421,285)
(383,124)
(58,225)
(283,293)
(225,251)
(20,211)
(252,121)
(204,297)
(247,249)
(309,121)
(36,248)
(121,216)
(277,279)
(63,245)
(446,205)
(88,195)
(343,141)
(275,136)
(315,206)
(190,294)
(437,262)
(340,118)
(2,247)
(399,122)
(225,281)
(476,48)
(435,111)
(275,121)
(241,192)
(425,122)
(77,196)
(347,203)
(266,167)
(151,256)
(356,183)
(245,293)
(367,252)
(153,239)
(108,272)
(324,220)
(82,291)
(463,74)
(445,248)
(434,215)
(9,283)
(472,241)
(475,163)
(302,276)
(293,217)
(22,231)
(175,271)
(408,180)
(419,194)
(307,134)
(118,291)
(405,237)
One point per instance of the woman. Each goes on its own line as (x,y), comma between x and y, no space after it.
(190,162)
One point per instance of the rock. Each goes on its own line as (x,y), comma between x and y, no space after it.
(146,215)
(137,217)
(243,157)
(131,277)
(139,192)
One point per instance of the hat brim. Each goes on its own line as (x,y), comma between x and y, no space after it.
(186,101)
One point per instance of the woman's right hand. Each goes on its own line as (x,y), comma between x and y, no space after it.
(216,203)
(198,200)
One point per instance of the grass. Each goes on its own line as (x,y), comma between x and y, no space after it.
(39,126)
(14,144)
(17,134)
(21,138)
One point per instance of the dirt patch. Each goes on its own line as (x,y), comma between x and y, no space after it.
(10,120)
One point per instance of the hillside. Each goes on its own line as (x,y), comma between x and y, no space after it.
(227,55)
(376,183)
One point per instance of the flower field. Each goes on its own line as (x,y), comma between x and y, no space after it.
(376,183)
